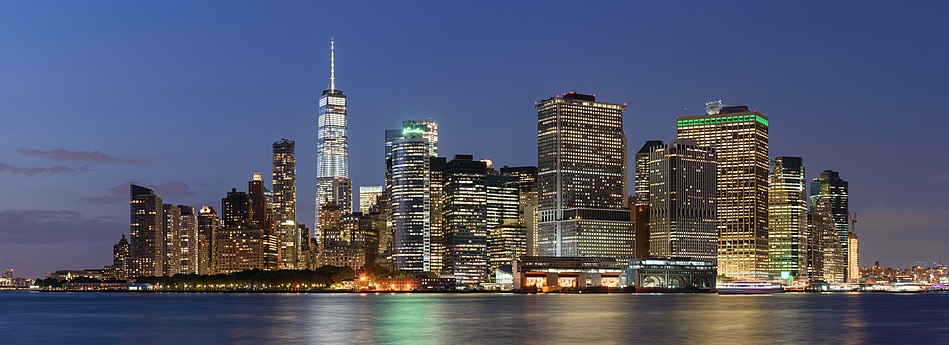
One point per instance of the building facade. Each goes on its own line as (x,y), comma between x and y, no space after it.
(332,148)
(740,139)
(146,233)
(831,188)
(411,204)
(581,154)
(682,207)
(285,205)
(464,218)
(368,196)
(639,205)
(787,219)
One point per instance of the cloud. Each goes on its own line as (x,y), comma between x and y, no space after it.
(173,189)
(50,170)
(942,176)
(119,194)
(54,226)
(82,156)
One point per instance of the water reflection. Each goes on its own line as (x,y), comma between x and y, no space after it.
(471,318)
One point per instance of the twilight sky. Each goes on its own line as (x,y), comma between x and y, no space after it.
(187,97)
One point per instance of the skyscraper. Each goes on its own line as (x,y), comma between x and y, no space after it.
(368,195)
(853,258)
(830,187)
(332,146)
(410,204)
(682,183)
(427,130)
(787,219)
(740,139)
(581,154)
(527,200)
(833,264)
(120,258)
(188,236)
(171,219)
(261,212)
(639,206)
(146,233)
(285,205)
(464,214)
(236,208)
(208,224)
(642,171)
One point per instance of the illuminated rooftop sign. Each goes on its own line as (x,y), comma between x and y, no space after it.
(721,120)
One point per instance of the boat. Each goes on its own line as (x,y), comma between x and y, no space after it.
(748,288)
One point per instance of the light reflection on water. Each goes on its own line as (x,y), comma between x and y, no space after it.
(470,318)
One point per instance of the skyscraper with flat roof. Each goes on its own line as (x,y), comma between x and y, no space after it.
(831,188)
(639,205)
(146,233)
(368,195)
(787,219)
(465,219)
(740,139)
(581,155)
(411,204)
(682,183)
(285,205)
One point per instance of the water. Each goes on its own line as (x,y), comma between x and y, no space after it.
(127,318)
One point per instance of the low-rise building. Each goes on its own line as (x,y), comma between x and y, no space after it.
(670,275)
(552,273)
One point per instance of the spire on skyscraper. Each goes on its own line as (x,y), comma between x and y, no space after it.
(332,63)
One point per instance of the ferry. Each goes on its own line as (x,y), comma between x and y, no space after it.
(748,288)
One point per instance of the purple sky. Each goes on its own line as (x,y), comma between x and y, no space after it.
(186,97)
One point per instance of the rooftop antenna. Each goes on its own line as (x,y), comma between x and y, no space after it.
(332,63)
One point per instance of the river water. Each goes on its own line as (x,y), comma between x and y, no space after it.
(169,318)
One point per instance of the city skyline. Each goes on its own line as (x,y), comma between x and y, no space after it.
(196,170)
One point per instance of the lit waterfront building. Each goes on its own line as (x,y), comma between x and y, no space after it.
(410,204)
(422,129)
(261,211)
(506,242)
(853,258)
(240,248)
(682,191)
(146,233)
(120,259)
(236,209)
(787,219)
(438,252)
(208,223)
(188,236)
(332,148)
(527,202)
(830,258)
(581,154)
(171,220)
(642,171)
(830,187)
(464,214)
(740,139)
(368,195)
(639,205)
(285,205)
